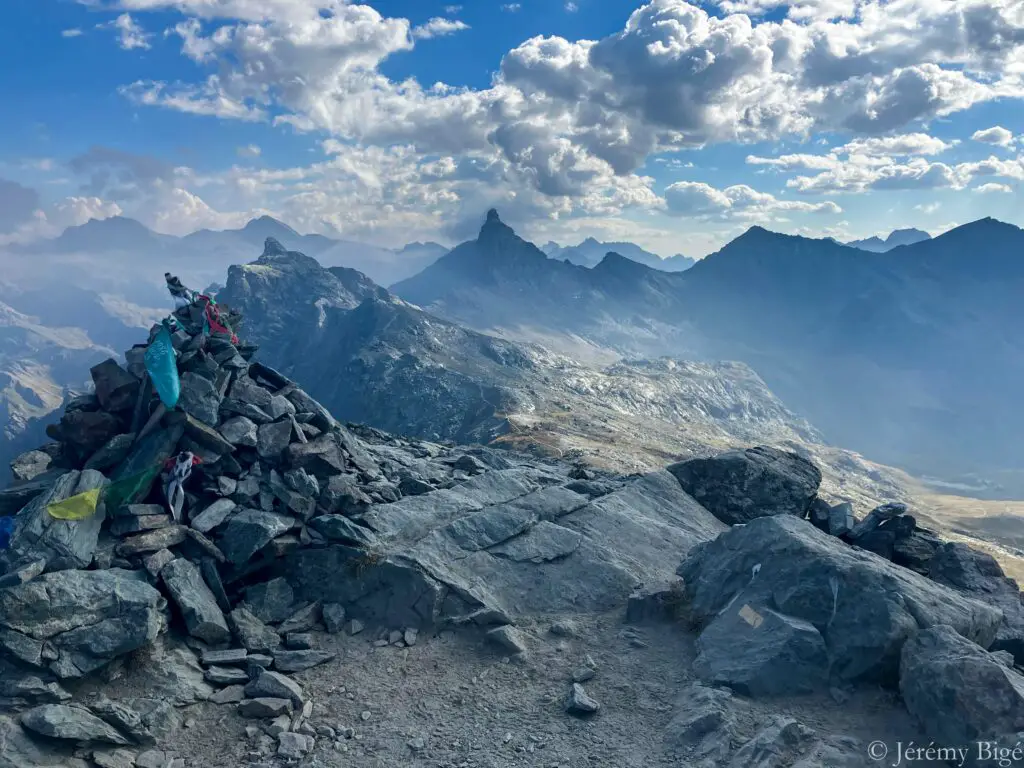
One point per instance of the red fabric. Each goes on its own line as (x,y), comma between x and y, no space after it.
(169,464)
(213,318)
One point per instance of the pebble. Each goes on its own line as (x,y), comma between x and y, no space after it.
(583,674)
(417,744)
(152,758)
(411,636)
(580,703)
(365,715)
(355,626)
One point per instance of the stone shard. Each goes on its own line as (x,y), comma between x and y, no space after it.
(738,486)
(196,602)
(200,398)
(339,528)
(863,606)
(240,431)
(249,531)
(252,633)
(213,516)
(30,465)
(272,439)
(272,601)
(153,541)
(275,685)
(759,652)
(321,457)
(265,707)
(296,661)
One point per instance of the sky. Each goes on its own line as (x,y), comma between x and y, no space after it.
(670,124)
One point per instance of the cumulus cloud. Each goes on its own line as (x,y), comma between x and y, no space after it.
(691,198)
(130,34)
(566,124)
(250,151)
(50,221)
(438,27)
(997,135)
(993,187)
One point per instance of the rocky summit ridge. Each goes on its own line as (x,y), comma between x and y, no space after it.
(251,626)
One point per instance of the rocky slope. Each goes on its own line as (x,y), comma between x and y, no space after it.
(335,596)
(398,368)
(907,340)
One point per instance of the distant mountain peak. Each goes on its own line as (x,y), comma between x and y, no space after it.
(267,226)
(492,216)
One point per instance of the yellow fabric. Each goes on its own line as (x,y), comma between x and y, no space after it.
(77,507)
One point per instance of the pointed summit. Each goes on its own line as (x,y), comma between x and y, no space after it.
(272,247)
(492,216)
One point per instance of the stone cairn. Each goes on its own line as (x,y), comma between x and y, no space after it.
(96,566)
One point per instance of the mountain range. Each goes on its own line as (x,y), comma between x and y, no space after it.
(590,252)
(895,239)
(909,357)
(913,360)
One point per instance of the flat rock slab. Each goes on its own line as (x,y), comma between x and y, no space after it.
(265,707)
(252,633)
(153,541)
(863,606)
(196,602)
(213,515)
(296,661)
(340,528)
(738,486)
(275,685)
(60,721)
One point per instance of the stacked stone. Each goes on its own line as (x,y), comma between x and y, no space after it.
(276,473)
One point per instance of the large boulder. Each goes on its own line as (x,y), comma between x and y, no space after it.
(738,486)
(20,750)
(249,531)
(959,693)
(84,619)
(863,606)
(978,575)
(762,653)
(60,543)
(116,389)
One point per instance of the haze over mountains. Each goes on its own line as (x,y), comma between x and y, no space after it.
(909,357)
(590,252)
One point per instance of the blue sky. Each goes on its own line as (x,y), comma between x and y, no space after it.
(673,125)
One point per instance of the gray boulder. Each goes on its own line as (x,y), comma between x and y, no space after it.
(321,457)
(760,652)
(20,750)
(738,486)
(273,601)
(252,633)
(338,528)
(249,531)
(30,465)
(196,602)
(213,515)
(978,575)
(116,389)
(273,438)
(958,692)
(62,544)
(240,431)
(85,618)
(275,686)
(200,398)
(863,606)
(60,721)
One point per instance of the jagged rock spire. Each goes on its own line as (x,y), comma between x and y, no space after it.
(272,247)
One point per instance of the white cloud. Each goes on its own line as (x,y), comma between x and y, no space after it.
(130,34)
(249,151)
(50,221)
(928,208)
(691,198)
(571,7)
(512,7)
(996,135)
(993,187)
(74,32)
(566,125)
(438,27)
(451,10)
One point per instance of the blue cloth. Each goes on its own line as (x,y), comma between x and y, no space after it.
(162,365)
